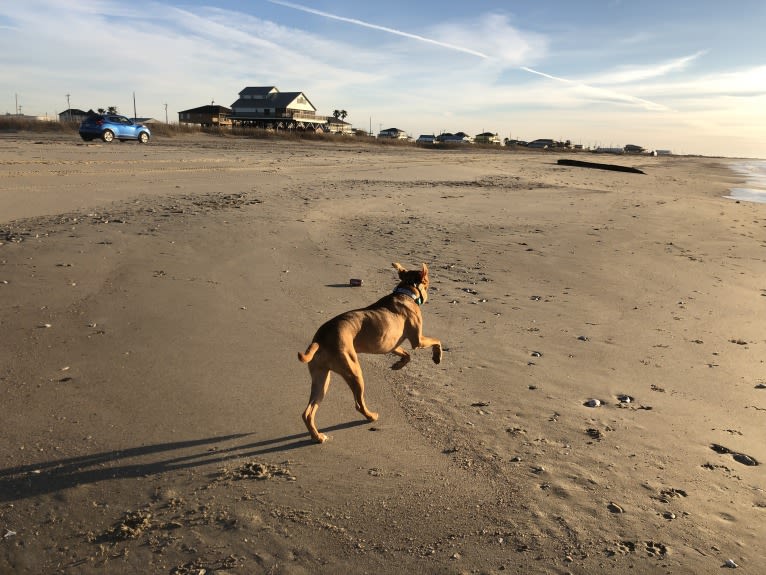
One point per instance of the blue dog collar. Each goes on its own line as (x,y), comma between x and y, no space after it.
(404,291)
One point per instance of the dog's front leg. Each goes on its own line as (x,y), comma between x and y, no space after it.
(434,344)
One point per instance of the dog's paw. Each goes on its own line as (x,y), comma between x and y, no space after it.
(437,355)
(321,438)
(372,416)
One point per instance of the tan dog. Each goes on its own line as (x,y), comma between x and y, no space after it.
(379,328)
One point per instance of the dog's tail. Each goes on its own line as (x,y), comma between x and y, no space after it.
(310,351)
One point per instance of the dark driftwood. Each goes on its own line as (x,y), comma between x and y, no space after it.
(613,167)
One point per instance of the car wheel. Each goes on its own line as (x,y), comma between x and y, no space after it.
(108,136)
(143,138)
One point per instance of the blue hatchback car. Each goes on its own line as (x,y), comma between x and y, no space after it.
(110,127)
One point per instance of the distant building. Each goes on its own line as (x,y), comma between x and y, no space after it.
(267,107)
(601,150)
(543,143)
(394,133)
(145,121)
(337,126)
(72,115)
(487,138)
(28,118)
(458,138)
(207,116)
(426,139)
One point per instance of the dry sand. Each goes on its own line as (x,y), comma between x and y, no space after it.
(154,298)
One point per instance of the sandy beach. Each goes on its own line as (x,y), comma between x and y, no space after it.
(154,298)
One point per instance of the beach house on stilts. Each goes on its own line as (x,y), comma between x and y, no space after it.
(266,107)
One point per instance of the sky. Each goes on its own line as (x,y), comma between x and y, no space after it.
(689,77)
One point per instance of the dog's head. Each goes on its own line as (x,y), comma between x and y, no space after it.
(417,279)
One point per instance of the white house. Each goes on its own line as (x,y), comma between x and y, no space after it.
(338,126)
(393,133)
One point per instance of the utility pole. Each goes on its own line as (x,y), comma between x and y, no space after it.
(166,112)
(134,107)
(68,108)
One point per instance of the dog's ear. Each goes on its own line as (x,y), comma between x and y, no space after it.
(399,268)
(424,272)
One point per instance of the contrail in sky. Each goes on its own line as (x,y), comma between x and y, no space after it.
(381,28)
(613,95)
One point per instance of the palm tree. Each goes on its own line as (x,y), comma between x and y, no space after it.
(339,116)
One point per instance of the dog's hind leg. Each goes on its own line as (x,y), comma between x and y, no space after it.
(352,373)
(405,358)
(320,383)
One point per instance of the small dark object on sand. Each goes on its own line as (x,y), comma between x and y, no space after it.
(613,167)
(738,457)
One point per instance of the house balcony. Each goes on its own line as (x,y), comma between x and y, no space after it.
(307,117)
(289,116)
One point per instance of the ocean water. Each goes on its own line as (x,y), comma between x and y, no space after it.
(754,174)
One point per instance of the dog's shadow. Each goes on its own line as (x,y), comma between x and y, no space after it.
(339,285)
(25,481)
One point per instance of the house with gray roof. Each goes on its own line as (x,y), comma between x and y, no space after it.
(267,107)
(393,133)
(459,138)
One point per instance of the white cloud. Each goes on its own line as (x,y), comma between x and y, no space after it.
(502,42)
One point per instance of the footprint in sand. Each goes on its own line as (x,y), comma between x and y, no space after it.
(624,547)
(656,549)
